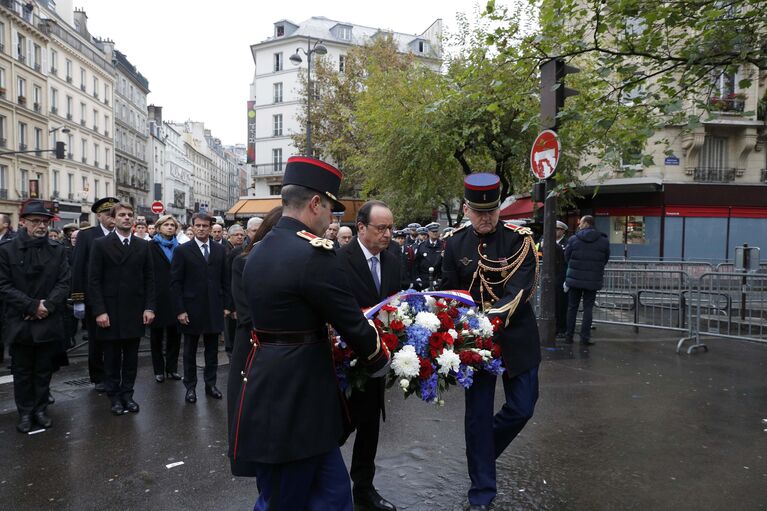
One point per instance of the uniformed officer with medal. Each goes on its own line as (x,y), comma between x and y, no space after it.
(288,420)
(496,263)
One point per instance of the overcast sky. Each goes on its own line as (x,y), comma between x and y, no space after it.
(196,54)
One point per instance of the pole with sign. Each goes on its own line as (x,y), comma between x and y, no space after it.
(544,157)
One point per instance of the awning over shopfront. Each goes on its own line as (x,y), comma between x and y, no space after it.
(246,208)
(521,208)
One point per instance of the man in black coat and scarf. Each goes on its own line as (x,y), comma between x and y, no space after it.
(34,284)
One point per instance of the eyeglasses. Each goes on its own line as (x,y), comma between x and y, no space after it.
(43,221)
(382,228)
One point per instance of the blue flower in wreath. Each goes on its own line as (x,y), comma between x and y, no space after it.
(418,338)
(429,388)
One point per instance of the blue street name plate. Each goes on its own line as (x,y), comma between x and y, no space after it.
(671,160)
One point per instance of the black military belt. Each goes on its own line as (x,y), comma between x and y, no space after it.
(302,337)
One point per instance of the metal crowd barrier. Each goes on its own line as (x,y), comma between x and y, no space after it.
(728,305)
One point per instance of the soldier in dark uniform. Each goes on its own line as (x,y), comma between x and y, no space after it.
(496,263)
(289,417)
(412,234)
(80,273)
(428,259)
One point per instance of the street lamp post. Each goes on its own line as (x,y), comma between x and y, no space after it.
(296,59)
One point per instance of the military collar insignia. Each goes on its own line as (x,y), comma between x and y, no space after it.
(466,261)
(315,240)
(519,230)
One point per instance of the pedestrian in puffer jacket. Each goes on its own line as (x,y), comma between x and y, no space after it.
(586,254)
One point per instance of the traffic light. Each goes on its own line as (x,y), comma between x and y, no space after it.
(61,149)
(553,90)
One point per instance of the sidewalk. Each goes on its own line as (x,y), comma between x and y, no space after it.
(624,424)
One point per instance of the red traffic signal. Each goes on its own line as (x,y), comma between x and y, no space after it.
(61,149)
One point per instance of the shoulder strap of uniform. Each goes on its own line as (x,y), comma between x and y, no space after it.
(315,240)
(524,231)
(457,229)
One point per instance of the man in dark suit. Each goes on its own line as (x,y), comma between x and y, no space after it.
(198,281)
(373,273)
(34,283)
(80,260)
(122,302)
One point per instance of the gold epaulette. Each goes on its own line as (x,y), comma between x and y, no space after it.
(315,240)
(446,236)
(524,231)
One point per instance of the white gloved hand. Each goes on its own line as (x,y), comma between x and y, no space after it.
(78,310)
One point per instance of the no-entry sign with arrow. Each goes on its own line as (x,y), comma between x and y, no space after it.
(157,207)
(545,154)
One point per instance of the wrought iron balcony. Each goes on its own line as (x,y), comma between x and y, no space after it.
(269,169)
(3,193)
(714,175)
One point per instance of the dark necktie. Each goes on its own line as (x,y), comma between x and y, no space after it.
(374,271)
(205,252)
(126,243)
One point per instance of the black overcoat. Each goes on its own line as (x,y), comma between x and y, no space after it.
(519,337)
(80,261)
(199,287)
(360,278)
(164,313)
(23,286)
(121,285)
(289,407)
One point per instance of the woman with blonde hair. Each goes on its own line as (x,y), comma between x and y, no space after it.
(165,324)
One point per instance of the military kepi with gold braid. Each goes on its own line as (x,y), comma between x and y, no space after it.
(482,191)
(317,175)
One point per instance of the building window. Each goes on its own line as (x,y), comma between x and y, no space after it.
(55,182)
(69,107)
(341,63)
(82,78)
(24,183)
(22,136)
(345,33)
(21,45)
(85,187)
(96,120)
(95,87)
(54,101)
(96,189)
(54,62)
(38,139)
(4,179)
(69,70)
(37,94)
(37,54)
(277,125)
(275,189)
(278,92)
(2,78)
(277,159)
(279,30)
(3,137)
(278,61)
(21,87)
(84,147)
(71,186)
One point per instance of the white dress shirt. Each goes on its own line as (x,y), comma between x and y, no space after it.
(368,255)
(200,244)
(122,238)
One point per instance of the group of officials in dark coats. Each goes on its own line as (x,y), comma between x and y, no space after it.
(287,415)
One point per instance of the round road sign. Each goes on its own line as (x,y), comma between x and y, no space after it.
(545,154)
(157,207)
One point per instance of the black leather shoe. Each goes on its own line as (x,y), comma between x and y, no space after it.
(117,408)
(131,406)
(587,342)
(51,399)
(25,424)
(213,392)
(173,376)
(159,378)
(100,388)
(191,396)
(370,500)
(42,419)
(478,507)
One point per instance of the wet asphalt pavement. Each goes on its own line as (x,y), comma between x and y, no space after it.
(625,424)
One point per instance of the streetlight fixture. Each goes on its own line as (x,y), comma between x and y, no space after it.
(296,59)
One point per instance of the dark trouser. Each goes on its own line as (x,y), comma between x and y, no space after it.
(488,435)
(573,300)
(32,370)
(169,362)
(561,307)
(318,483)
(190,359)
(121,366)
(365,408)
(229,331)
(95,350)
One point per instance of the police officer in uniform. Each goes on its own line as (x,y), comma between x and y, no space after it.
(496,263)
(428,258)
(286,427)
(80,273)
(412,237)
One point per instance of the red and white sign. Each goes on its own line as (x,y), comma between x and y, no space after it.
(157,207)
(545,154)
